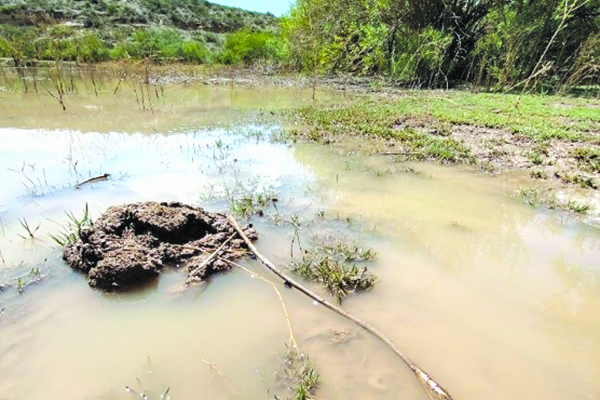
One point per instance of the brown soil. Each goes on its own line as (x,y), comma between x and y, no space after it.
(130,244)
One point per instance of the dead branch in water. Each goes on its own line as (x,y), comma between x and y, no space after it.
(92,180)
(292,340)
(215,253)
(432,388)
(218,373)
(58,97)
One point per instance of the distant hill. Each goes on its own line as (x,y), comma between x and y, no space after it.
(181,14)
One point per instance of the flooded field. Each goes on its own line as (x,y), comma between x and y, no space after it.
(496,300)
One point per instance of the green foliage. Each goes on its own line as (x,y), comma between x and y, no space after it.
(248,47)
(160,44)
(194,52)
(91,49)
(434,43)
(588,158)
(418,59)
(104,29)
(71,230)
(342,251)
(339,278)
(298,375)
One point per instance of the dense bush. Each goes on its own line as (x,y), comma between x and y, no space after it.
(160,44)
(247,47)
(434,42)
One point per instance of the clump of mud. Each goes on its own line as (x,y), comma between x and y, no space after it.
(130,244)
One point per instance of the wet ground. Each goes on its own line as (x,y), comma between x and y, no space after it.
(495,299)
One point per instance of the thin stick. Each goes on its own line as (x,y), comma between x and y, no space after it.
(219,374)
(292,343)
(431,386)
(92,180)
(208,260)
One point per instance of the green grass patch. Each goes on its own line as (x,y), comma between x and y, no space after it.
(423,121)
(339,278)
(587,158)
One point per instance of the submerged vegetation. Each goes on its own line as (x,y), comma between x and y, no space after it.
(333,265)
(298,375)
(340,279)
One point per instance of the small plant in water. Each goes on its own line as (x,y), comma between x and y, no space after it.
(73,227)
(31,278)
(30,232)
(345,252)
(339,278)
(249,203)
(298,375)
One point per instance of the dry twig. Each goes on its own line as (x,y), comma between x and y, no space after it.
(210,258)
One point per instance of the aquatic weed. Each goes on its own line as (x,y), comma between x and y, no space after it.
(339,278)
(343,251)
(531,196)
(248,203)
(299,375)
(33,277)
(587,158)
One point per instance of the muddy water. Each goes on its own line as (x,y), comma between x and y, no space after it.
(494,299)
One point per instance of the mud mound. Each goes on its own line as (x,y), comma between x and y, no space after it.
(130,244)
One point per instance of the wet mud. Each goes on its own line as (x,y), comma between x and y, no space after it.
(130,244)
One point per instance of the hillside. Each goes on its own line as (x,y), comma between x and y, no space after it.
(181,14)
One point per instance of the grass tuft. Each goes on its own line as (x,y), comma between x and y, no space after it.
(72,228)
(299,376)
(339,278)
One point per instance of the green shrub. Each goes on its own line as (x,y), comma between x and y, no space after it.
(194,52)
(418,58)
(91,49)
(247,47)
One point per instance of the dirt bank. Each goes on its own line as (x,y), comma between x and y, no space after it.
(130,244)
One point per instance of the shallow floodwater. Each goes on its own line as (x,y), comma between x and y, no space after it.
(494,299)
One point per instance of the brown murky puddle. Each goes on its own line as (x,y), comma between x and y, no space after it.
(494,299)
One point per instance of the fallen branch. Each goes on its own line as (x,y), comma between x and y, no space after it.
(92,180)
(292,342)
(430,386)
(210,258)
(218,373)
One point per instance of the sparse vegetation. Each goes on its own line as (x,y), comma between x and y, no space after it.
(343,251)
(30,231)
(298,375)
(588,158)
(22,282)
(578,207)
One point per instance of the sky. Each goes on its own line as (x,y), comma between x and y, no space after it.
(276,7)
